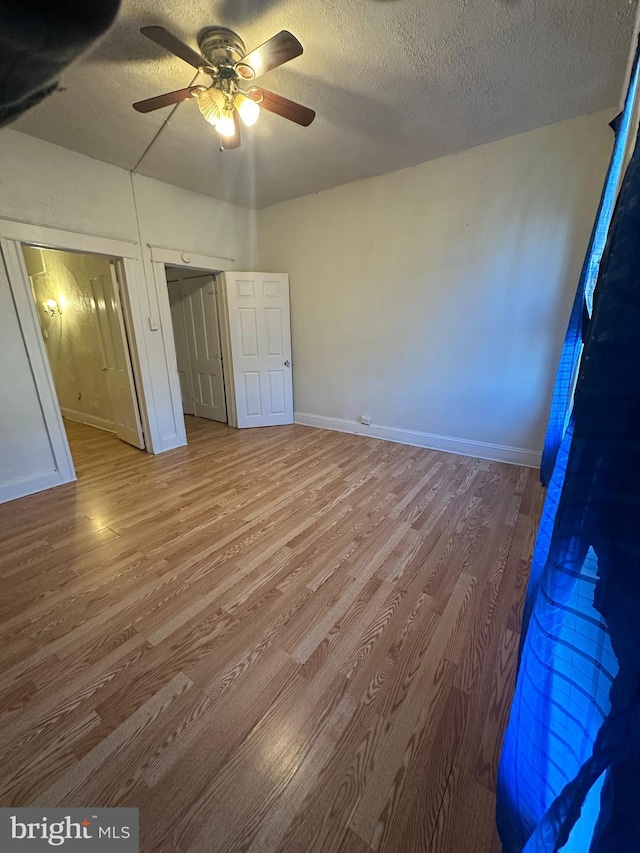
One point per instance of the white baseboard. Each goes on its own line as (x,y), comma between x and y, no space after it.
(30,485)
(461,446)
(89,420)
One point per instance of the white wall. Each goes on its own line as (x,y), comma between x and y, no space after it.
(435,299)
(48,185)
(45,185)
(174,218)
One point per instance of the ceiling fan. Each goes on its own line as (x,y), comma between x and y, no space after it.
(225,59)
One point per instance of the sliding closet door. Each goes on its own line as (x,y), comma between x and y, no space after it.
(183,362)
(203,341)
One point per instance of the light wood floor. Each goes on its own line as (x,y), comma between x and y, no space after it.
(273,640)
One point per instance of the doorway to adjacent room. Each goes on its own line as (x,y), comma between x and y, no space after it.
(84,328)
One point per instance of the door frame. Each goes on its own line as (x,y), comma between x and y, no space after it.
(205,264)
(145,302)
(126,257)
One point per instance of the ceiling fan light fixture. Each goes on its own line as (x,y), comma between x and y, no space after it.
(224,59)
(226,125)
(211,103)
(248,110)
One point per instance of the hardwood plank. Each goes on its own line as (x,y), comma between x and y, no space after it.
(269,640)
(466,820)
(277,820)
(72,786)
(413,803)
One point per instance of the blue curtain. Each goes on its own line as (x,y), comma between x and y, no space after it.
(582,304)
(570,767)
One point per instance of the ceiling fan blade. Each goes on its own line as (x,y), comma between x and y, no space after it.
(278,50)
(282,106)
(164,100)
(232,141)
(165,39)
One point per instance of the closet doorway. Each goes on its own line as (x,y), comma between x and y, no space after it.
(196,331)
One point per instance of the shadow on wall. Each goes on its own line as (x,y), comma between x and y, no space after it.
(124,43)
(237,12)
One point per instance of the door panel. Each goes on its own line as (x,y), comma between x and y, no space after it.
(277,393)
(248,331)
(275,344)
(182,351)
(260,336)
(117,364)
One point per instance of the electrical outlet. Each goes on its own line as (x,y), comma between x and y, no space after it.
(364,419)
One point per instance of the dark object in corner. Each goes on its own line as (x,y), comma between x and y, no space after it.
(38,39)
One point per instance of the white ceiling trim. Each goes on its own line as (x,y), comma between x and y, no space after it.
(176,257)
(71,239)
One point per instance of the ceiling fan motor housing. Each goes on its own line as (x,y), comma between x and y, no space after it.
(221,46)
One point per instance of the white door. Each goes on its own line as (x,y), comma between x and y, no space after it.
(257,306)
(203,342)
(116,361)
(182,350)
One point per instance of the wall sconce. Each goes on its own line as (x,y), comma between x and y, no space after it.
(51,307)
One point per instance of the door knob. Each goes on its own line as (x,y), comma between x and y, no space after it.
(287,363)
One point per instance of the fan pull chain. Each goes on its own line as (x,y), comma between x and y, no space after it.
(160,129)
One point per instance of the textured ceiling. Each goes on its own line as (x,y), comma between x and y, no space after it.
(394,83)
